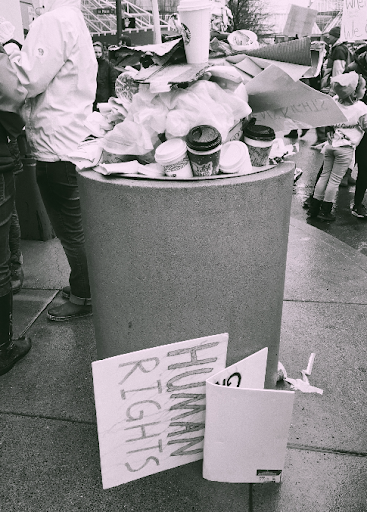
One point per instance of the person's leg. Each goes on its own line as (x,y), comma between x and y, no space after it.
(57,182)
(343,158)
(16,257)
(361,183)
(10,350)
(325,174)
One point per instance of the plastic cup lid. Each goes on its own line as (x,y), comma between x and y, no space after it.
(193,5)
(259,132)
(169,150)
(232,154)
(203,137)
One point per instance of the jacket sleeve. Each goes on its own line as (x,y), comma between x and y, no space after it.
(12,94)
(45,51)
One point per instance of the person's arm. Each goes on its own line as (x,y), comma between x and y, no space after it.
(44,52)
(112,76)
(338,67)
(12,94)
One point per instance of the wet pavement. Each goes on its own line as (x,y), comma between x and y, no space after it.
(347,228)
(49,454)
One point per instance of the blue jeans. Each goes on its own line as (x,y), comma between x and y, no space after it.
(57,182)
(336,163)
(7,197)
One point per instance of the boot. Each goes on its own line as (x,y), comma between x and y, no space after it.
(10,350)
(347,179)
(314,208)
(325,212)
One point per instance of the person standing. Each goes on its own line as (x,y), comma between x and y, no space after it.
(343,139)
(58,69)
(12,96)
(106,77)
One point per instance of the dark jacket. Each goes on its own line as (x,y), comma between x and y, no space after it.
(106,78)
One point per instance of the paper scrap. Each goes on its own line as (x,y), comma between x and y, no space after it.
(304,384)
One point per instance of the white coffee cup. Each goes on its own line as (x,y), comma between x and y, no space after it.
(172,156)
(195,18)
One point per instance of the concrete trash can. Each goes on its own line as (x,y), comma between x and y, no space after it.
(176,260)
(33,218)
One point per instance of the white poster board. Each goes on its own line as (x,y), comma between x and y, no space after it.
(150,407)
(300,21)
(246,426)
(354,20)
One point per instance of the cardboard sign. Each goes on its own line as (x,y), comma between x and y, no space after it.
(282,103)
(300,21)
(151,407)
(354,26)
(246,426)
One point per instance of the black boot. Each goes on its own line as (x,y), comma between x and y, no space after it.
(10,350)
(325,212)
(314,208)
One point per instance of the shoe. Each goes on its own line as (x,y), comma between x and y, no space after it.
(17,278)
(297,174)
(68,311)
(65,292)
(308,202)
(314,208)
(293,134)
(325,212)
(15,351)
(304,131)
(359,211)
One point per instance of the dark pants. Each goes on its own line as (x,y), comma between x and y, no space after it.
(57,182)
(7,195)
(361,160)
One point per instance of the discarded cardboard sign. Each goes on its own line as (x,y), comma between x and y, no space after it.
(150,407)
(300,21)
(275,101)
(246,426)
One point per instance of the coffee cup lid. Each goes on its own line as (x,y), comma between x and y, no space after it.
(169,150)
(259,132)
(193,5)
(232,155)
(203,138)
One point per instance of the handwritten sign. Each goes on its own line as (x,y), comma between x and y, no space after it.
(300,21)
(282,103)
(247,426)
(354,20)
(150,407)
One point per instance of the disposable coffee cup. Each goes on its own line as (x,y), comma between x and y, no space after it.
(204,144)
(172,156)
(195,18)
(234,158)
(259,140)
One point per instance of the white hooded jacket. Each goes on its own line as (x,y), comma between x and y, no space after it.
(58,68)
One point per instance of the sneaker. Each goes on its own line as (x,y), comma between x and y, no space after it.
(360,211)
(17,278)
(9,356)
(68,311)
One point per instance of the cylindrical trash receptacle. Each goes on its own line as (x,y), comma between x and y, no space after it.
(33,218)
(175,260)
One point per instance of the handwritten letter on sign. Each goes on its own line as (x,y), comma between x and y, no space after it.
(354,20)
(151,407)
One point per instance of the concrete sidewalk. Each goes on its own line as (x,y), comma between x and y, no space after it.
(49,446)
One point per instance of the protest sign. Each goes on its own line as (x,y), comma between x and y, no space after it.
(150,407)
(354,20)
(300,21)
(282,103)
(247,426)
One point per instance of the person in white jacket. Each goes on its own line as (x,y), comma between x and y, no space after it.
(58,68)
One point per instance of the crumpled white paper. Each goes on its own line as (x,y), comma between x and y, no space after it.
(304,384)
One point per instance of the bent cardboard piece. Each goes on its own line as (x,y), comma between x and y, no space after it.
(150,407)
(276,100)
(294,52)
(246,426)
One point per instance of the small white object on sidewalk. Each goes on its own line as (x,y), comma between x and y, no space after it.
(304,384)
